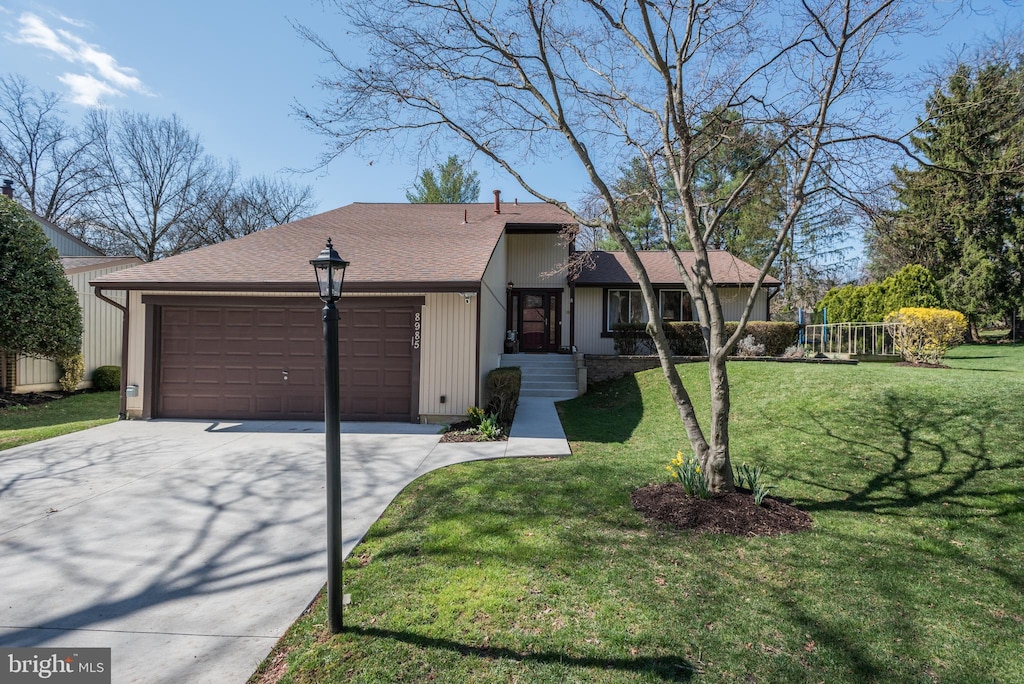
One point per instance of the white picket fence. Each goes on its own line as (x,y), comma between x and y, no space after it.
(853,339)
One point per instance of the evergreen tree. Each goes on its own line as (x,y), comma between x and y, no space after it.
(451,184)
(41,315)
(962,213)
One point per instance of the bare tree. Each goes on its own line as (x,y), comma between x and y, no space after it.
(161,184)
(48,160)
(258,203)
(605,82)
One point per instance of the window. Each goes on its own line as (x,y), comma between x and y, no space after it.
(675,305)
(625,306)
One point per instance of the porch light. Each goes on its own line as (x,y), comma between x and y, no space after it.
(330,276)
(330,273)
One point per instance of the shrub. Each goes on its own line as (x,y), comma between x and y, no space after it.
(748,346)
(794,352)
(775,337)
(72,371)
(107,378)
(926,335)
(686,338)
(503,389)
(911,286)
(632,339)
(39,311)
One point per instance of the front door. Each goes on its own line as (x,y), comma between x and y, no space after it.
(538,321)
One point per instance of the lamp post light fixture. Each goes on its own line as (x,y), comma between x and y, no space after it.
(330,276)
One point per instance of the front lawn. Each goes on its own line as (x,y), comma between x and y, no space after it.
(24,424)
(539,570)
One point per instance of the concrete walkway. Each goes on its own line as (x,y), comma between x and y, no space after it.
(189,547)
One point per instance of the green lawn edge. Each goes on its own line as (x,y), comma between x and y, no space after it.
(28,424)
(539,570)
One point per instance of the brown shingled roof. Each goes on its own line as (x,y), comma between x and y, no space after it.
(612,268)
(389,247)
(77,264)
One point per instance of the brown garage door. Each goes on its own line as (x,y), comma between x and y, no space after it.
(266,362)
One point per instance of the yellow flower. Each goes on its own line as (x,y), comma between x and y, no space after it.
(697,470)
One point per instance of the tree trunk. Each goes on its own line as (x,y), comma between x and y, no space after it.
(717,466)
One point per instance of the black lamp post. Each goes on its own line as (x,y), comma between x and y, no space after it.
(330,276)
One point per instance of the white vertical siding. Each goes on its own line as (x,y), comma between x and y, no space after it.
(589,317)
(493,310)
(538,261)
(136,352)
(448,355)
(101,336)
(734,299)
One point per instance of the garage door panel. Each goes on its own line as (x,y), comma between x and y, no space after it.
(398,349)
(362,318)
(365,349)
(227,362)
(237,375)
(304,377)
(208,317)
(366,377)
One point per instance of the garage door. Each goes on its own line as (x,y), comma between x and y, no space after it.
(266,362)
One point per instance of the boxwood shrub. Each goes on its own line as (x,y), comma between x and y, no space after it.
(107,378)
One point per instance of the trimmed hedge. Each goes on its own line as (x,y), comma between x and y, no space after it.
(503,389)
(686,338)
(107,378)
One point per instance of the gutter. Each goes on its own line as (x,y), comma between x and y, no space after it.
(123,410)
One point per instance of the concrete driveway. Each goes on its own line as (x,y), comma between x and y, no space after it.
(188,548)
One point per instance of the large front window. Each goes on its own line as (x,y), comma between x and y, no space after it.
(626,306)
(675,306)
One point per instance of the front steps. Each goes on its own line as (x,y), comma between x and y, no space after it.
(545,375)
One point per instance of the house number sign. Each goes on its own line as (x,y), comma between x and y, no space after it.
(417,328)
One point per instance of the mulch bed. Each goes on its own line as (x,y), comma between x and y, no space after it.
(733,513)
(458,432)
(29,399)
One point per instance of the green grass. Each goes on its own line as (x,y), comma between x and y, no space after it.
(23,425)
(540,571)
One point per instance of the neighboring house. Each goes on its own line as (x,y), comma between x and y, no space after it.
(233,330)
(101,324)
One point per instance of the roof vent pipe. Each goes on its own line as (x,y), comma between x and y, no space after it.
(465,216)
(497,201)
(8,188)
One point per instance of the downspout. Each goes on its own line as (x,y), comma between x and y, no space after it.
(123,412)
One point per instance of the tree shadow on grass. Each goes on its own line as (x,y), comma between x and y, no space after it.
(919,455)
(608,413)
(667,668)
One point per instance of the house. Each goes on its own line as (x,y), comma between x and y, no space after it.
(101,325)
(234,331)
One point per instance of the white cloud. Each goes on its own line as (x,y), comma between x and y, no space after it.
(87,90)
(107,77)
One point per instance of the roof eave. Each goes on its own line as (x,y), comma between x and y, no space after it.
(303,287)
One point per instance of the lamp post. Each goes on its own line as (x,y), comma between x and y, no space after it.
(330,276)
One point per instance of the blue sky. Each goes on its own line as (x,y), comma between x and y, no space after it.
(232,71)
